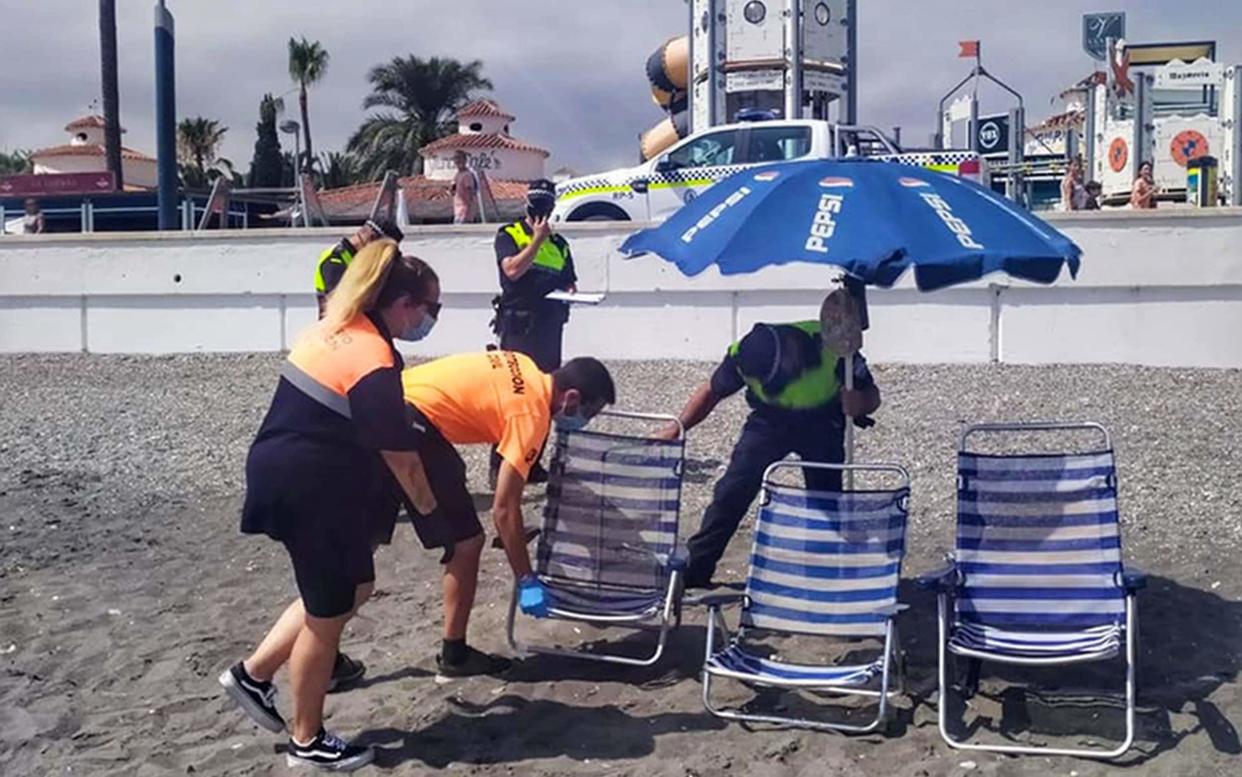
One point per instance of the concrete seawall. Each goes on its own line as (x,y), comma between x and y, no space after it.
(1159,288)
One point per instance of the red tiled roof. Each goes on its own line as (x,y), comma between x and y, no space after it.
(425,199)
(481,141)
(85,122)
(88,149)
(484,108)
(1061,121)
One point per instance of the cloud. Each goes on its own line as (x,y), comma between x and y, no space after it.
(571,70)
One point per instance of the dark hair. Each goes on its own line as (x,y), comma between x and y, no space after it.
(589,376)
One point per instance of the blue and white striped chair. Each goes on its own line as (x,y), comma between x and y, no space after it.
(1037,578)
(824,564)
(608,549)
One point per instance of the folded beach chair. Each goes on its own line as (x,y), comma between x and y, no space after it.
(1037,578)
(608,549)
(824,564)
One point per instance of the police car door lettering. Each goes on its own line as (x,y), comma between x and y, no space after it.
(958,227)
(824,223)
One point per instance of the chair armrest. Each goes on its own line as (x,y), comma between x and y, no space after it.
(945,579)
(1133,579)
(716,601)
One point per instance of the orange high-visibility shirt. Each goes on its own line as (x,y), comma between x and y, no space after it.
(497,397)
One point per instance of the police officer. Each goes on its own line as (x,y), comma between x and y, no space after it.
(533,261)
(334,261)
(795,387)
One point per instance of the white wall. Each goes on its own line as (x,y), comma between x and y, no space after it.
(1157,288)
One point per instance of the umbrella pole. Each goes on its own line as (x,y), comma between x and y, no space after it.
(849,423)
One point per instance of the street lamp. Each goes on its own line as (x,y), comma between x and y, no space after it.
(291,127)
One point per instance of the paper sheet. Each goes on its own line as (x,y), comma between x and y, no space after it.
(580,298)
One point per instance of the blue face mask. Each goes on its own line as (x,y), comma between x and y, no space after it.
(570,422)
(420,330)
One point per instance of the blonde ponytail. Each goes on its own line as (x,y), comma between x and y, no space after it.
(362,282)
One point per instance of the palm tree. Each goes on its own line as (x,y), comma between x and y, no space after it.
(339,169)
(421,98)
(198,140)
(308,62)
(14,162)
(111,95)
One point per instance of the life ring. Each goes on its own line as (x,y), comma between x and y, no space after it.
(1118,154)
(1187,145)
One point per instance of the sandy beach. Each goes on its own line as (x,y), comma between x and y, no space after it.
(125,588)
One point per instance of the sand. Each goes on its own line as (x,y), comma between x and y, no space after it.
(125,588)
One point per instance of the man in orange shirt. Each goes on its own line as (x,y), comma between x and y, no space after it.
(499,398)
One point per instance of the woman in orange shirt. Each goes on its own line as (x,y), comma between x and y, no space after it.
(316,482)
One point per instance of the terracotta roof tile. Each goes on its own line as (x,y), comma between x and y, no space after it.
(425,199)
(88,149)
(484,107)
(85,122)
(481,141)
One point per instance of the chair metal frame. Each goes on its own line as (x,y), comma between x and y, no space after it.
(669,615)
(947,580)
(892,654)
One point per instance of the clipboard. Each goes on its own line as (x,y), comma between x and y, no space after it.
(576,298)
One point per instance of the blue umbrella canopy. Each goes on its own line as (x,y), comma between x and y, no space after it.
(873,219)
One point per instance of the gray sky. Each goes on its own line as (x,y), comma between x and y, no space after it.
(571,70)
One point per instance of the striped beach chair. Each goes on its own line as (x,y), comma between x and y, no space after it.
(608,549)
(823,564)
(1036,578)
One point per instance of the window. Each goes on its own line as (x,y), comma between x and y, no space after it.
(717,148)
(778,144)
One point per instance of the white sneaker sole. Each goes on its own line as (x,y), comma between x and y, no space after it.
(357,762)
(255,711)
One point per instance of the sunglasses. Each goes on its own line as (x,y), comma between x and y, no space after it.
(433,308)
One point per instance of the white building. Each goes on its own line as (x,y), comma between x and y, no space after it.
(84,153)
(483,134)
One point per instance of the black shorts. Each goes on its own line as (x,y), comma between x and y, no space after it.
(329,569)
(446,471)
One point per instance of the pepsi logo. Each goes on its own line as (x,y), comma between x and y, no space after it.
(769,175)
(832,182)
(912,183)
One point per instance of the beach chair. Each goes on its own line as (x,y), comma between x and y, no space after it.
(608,549)
(824,564)
(1036,579)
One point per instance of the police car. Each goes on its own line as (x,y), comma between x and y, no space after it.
(655,189)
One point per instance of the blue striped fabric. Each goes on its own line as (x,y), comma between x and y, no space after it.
(611,517)
(593,600)
(736,661)
(826,563)
(1040,548)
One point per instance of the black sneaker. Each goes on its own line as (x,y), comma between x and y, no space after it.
(258,699)
(345,672)
(476,663)
(330,753)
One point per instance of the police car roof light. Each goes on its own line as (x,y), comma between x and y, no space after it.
(757,114)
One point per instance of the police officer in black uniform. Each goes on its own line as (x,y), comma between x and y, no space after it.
(533,261)
(795,386)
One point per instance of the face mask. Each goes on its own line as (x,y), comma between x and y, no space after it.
(569,422)
(418,331)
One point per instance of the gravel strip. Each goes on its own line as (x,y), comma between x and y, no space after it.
(98,436)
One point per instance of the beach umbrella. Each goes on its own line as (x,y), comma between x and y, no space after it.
(874,220)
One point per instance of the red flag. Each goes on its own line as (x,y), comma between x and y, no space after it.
(970,48)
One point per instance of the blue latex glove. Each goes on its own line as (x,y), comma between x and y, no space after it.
(532,597)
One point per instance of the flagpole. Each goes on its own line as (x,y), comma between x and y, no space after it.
(974,97)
